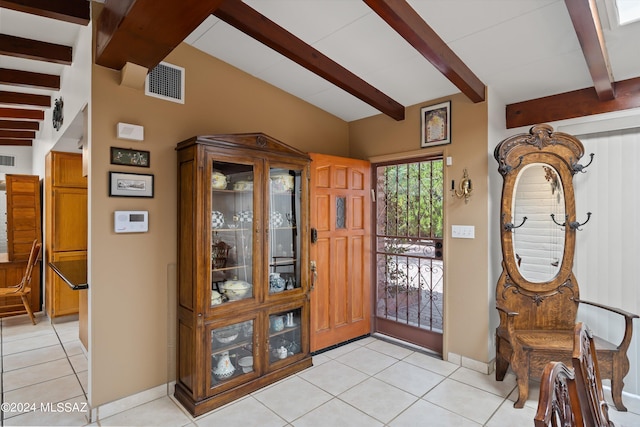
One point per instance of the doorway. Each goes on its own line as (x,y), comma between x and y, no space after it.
(408,250)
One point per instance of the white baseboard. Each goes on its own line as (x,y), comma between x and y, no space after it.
(482,367)
(120,405)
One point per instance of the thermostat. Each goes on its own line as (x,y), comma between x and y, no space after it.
(131,221)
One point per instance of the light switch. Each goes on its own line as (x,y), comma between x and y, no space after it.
(463,231)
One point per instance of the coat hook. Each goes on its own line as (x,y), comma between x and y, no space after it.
(574,225)
(509,225)
(577,167)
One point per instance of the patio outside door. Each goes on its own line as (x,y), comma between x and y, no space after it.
(408,251)
(340,218)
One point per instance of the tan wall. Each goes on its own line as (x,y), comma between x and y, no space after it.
(466,260)
(132,277)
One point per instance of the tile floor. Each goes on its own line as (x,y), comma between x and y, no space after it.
(370,382)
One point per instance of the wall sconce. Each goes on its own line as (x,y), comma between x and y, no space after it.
(465,187)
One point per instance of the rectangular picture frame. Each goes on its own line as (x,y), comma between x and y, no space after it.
(130,184)
(130,157)
(435,124)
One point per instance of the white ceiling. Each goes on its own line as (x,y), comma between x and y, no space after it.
(521,49)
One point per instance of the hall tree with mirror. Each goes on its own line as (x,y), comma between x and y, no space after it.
(537,295)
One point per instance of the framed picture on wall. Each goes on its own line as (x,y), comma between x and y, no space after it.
(130,185)
(435,124)
(128,157)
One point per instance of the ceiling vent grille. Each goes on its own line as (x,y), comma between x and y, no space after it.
(7,160)
(166,81)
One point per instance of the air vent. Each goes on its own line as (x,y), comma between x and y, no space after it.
(7,160)
(166,81)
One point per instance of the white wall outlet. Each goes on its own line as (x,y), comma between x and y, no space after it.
(463,231)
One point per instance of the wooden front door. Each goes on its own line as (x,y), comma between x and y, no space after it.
(341,249)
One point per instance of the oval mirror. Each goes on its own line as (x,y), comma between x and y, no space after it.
(538,245)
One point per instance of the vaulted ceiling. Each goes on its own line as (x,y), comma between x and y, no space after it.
(547,59)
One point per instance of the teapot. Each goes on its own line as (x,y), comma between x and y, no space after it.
(282,352)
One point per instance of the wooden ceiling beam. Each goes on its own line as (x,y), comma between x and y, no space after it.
(19,124)
(400,16)
(25,99)
(29,79)
(579,103)
(21,113)
(17,142)
(33,49)
(584,15)
(74,11)
(252,23)
(17,134)
(144,32)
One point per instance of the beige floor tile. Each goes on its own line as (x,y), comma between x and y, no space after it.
(157,413)
(365,341)
(69,336)
(53,391)
(532,399)
(389,349)
(83,377)
(507,415)
(36,374)
(30,343)
(486,382)
(21,325)
(336,413)
(292,398)
(32,357)
(319,359)
(333,377)
(431,363)
(342,350)
(410,378)
(465,400)
(73,347)
(423,413)
(72,412)
(79,362)
(366,360)
(378,399)
(624,419)
(247,412)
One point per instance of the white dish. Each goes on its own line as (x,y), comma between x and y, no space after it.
(246,363)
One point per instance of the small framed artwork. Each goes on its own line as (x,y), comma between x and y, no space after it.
(128,157)
(435,124)
(130,185)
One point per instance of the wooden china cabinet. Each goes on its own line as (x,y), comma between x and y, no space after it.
(243,267)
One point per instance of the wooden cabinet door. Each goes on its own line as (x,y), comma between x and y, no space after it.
(61,299)
(341,215)
(23,215)
(67,170)
(69,207)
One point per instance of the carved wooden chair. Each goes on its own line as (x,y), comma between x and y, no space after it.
(595,409)
(558,403)
(538,314)
(23,288)
(573,396)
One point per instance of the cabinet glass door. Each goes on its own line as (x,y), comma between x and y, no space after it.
(232,213)
(285,334)
(231,352)
(284,235)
